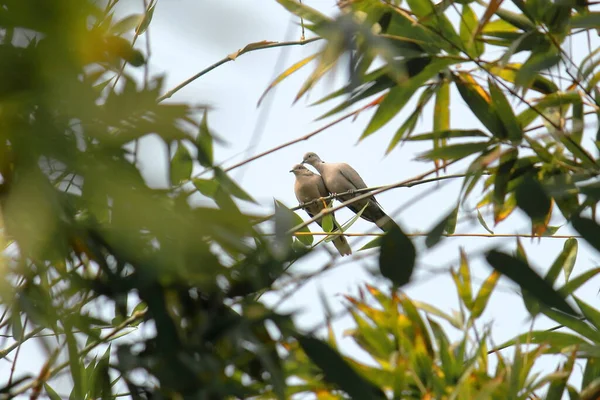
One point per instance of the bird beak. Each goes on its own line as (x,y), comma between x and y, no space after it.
(291,170)
(303,162)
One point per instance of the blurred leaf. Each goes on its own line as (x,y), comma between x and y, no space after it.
(532,198)
(285,74)
(305,12)
(536,62)
(207,187)
(589,20)
(204,143)
(406,129)
(181,165)
(447,223)
(398,96)
(16,324)
(589,229)
(126,24)
(145,23)
(397,256)
(591,371)
(231,187)
(338,371)
(520,273)
(286,219)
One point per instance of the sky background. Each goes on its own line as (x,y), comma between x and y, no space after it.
(186,36)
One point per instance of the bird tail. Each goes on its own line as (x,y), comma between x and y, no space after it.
(341,244)
(385,223)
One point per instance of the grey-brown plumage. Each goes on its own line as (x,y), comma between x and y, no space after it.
(341,178)
(308,187)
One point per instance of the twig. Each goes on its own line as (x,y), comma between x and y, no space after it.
(482,235)
(228,58)
(136,316)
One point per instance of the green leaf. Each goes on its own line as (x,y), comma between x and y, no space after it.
(520,273)
(532,198)
(468,28)
(589,229)
(397,256)
(17,325)
(204,143)
(75,365)
(231,187)
(437,21)
(435,235)
(480,103)
(285,74)
(454,151)
(589,20)
(505,112)
(51,393)
(143,26)
(126,24)
(578,281)
(327,223)
(207,187)
(483,223)
(372,244)
(574,323)
(441,111)
(483,295)
(398,96)
(288,219)
(338,371)
(557,340)
(565,261)
(591,314)
(181,165)
(304,11)
(591,371)
(534,64)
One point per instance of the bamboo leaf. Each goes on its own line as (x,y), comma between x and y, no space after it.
(455,151)
(522,274)
(398,96)
(483,295)
(181,165)
(469,26)
(297,66)
(337,370)
(397,256)
(505,112)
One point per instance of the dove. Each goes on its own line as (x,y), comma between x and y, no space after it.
(308,187)
(341,178)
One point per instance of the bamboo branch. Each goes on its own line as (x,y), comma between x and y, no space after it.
(226,59)
(481,235)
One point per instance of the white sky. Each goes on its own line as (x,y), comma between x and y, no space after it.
(188,35)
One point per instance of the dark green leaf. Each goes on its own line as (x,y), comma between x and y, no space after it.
(535,63)
(589,20)
(565,261)
(207,187)
(589,229)
(338,371)
(285,219)
(204,144)
(397,256)
(435,235)
(468,27)
(522,274)
(532,198)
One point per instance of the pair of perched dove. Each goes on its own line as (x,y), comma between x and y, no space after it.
(336,178)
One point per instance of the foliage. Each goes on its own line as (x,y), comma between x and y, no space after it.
(81,227)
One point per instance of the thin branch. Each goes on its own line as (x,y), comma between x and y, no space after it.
(228,58)
(482,235)
(133,318)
